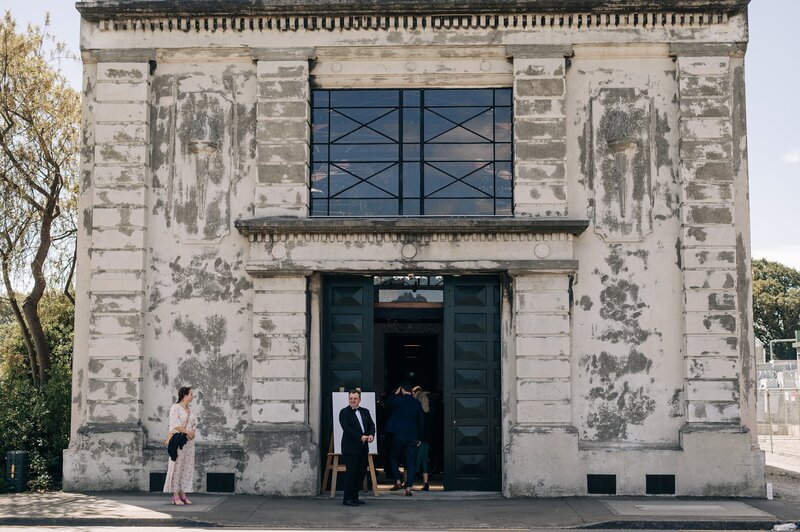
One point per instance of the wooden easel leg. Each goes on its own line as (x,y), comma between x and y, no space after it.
(328,464)
(335,474)
(372,476)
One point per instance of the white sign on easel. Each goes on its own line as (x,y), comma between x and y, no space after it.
(340,401)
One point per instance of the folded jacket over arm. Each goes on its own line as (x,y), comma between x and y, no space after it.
(177,441)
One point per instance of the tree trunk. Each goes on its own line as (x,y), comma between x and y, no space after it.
(30,307)
(72,263)
(23,327)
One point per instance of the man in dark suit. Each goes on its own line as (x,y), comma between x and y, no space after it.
(406,424)
(358,431)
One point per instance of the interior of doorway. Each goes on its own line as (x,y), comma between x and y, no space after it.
(408,347)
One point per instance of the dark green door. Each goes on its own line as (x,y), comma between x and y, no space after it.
(472,410)
(347,340)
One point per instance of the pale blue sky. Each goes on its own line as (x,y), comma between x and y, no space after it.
(773,114)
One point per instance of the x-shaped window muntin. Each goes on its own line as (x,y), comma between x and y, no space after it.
(368,125)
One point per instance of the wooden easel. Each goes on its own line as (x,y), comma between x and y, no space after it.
(332,467)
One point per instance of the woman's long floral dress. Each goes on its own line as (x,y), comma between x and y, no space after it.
(180,472)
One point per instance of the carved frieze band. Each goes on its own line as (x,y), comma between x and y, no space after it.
(527,21)
(420,238)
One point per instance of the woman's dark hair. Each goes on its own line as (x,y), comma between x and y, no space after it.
(183,392)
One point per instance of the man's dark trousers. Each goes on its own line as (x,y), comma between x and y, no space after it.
(356,470)
(405,448)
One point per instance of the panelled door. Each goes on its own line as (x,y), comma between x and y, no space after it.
(472,407)
(347,340)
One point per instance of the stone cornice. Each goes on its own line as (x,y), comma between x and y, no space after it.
(104,9)
(702,49)
(426,225)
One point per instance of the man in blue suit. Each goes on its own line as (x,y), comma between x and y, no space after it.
(406,423)
(358,431)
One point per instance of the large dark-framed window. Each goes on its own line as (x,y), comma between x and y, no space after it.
(412,152)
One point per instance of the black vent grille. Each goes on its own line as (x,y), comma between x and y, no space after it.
(601,484)
(157,479)
(220,482)
(660,485)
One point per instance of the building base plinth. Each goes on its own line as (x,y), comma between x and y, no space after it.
(708,461)
(540,461)
(280,460)
(105,457)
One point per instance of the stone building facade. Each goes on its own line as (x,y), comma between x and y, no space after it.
(560,188)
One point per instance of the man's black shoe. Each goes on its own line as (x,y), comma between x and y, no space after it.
(359,501)
(350,503)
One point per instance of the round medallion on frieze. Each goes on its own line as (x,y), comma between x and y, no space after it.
(409,251)
(336,67)
(411,66)
(485,66)
(542,250)
(278,251)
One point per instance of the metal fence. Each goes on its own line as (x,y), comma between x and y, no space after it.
(779,420)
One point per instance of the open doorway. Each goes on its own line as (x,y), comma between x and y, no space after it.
(442,333)
(408,346)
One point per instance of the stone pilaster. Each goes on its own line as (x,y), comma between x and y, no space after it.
(542,348)
(280,353)
(708,242)
(540,142)
(279,437)
(283,134)
(542,438)
(111,438)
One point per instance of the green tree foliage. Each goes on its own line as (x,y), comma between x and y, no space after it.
(39,149)
(36,419)
(776,304)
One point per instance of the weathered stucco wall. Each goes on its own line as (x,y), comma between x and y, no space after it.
(626,347)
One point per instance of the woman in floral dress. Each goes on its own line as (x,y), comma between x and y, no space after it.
(180,472)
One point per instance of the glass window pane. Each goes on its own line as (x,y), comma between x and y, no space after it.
(411,207)
(461,207)
(458,124)
(319,207)
(364,152)
(411,152)
(411,125)
(320,126)
(459,152)
(407,295)
(319,180)
(375,180)
(320,152)
(372,125)
(320,98)
(503,180)
(502,97)
(502,129)
(364,207)
(365,98)
(502,152)
(411,98)
(458,97)
(411,180)
(503,207)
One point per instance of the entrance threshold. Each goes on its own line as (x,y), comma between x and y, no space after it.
(436,495)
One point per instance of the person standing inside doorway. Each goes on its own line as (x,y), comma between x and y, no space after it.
(358,431)
(424,448)
(406,424)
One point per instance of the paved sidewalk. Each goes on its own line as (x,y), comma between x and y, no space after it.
(390,511)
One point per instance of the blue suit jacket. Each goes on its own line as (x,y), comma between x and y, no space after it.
(407,419)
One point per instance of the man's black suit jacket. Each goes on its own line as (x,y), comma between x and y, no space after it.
(351,429)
